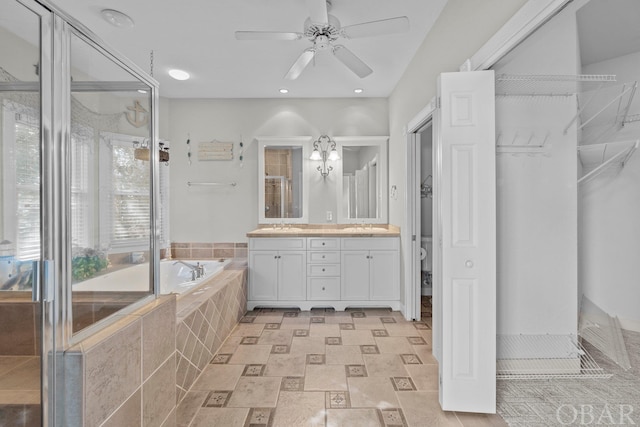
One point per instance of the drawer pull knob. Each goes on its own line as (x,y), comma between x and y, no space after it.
(323,269)
(323,257)
(323,288)
(323,243)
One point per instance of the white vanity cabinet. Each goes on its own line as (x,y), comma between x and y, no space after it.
(321,271)
(277,269)
(370,269)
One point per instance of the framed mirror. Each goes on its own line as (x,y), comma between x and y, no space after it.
(362,184)
(282,183)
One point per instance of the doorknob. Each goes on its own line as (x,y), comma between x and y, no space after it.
(468,264)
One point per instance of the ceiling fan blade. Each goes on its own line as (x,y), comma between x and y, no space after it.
(300,64)
(352,62)
(318,11)
(377,28)
(267,35)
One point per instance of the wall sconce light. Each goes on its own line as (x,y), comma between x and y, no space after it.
(142,152)
(324,148)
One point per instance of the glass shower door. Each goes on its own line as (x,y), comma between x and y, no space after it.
(22,332)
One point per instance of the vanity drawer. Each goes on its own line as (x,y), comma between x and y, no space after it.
(323,270)
(323,257)
(323,288)
(322,243)
(277,243)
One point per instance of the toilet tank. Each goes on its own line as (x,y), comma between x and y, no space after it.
(426,254)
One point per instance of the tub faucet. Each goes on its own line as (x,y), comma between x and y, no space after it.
(200,270)
(195,269)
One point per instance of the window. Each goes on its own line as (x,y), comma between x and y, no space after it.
(21,178)
(124,195)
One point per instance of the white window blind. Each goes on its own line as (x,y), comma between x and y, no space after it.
(82,140)
(21,179)
(125,200)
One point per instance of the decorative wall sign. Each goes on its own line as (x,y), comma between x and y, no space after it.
(139,117)
(215,150)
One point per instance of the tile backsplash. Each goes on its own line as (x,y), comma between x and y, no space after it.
(198,250)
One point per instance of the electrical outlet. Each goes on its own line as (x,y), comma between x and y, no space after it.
(329,216)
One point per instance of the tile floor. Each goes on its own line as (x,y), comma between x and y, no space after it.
(290,368)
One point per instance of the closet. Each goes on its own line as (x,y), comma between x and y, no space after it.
(568,196)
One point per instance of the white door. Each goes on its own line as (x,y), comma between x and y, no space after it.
(468,238)
(263,275)
(292,275)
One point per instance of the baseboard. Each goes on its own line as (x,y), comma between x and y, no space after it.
(630,324)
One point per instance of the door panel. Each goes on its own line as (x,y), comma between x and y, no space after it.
(263,276)
(384,274)
(355,275)
(466,139)
(26,333)
(292,283)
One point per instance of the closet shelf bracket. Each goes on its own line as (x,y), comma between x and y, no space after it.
(625,90)
(619,159)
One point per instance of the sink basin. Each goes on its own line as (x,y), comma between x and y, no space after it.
(364,229)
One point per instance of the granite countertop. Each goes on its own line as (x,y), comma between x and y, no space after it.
(326,230)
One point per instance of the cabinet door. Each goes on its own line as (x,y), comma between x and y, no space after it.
(263,275)
(292,275)
(355,275)
(385,275)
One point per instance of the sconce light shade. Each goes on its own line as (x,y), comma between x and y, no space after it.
(333,155)
(315,155)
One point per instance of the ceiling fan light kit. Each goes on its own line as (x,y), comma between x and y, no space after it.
(323,29)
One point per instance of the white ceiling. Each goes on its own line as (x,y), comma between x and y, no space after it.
(198,36)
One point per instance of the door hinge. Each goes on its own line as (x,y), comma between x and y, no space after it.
(413,238)
(438,103)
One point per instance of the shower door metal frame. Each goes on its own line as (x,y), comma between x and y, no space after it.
(54,273)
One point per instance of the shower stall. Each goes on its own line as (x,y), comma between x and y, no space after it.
(78,198)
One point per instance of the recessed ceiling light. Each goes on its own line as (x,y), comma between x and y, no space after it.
(179,74)
(283,90)
(358,90)
(117,18)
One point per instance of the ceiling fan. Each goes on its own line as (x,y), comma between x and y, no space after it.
(323,29)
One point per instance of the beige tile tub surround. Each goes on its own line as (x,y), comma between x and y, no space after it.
(199,250)
(205,319)
(126,371)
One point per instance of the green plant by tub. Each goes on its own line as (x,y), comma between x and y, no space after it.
(86,262)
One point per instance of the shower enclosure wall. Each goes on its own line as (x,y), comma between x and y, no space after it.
(79,191)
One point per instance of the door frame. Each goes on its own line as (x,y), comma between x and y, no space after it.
(531,16)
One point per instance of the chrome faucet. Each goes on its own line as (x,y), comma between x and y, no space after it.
(197,270)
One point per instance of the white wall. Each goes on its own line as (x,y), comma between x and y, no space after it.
(537,194)
(609,234)
(461,29)
(226,214)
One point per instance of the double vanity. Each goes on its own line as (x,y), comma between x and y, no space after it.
(303,182)
(335,266)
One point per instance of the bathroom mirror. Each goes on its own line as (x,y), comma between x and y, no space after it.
(282,179)
(362,184)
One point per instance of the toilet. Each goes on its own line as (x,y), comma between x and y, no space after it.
(426,257)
